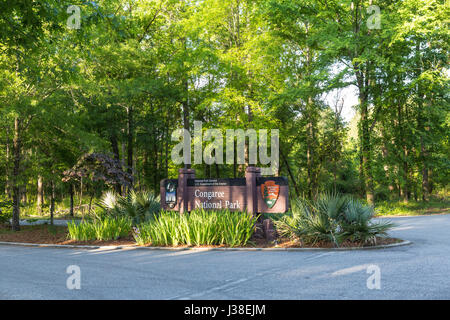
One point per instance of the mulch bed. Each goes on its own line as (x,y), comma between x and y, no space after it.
(58,235)
(285,243)
(52,235)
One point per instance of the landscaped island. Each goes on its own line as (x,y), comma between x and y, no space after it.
(329,221)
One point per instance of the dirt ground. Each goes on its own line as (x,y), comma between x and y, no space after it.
(51,235)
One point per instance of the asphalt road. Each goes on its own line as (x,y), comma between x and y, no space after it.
(417,271)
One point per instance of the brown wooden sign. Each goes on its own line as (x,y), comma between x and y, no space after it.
(254,194)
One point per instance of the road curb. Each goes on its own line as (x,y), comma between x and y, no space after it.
(68,246)
(63,246)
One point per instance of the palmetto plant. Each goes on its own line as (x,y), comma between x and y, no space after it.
(357,225)
(139,206)
(309,222)
(332,218)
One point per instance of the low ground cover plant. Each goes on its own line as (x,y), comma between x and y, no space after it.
(392,208)
(332,218)
(107,228)
(197,228)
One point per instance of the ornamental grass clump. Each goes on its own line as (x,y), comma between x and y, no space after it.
(197,228)
(83,231)
(108,228)
(331,218)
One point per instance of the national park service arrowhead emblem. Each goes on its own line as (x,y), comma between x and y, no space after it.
(270,191)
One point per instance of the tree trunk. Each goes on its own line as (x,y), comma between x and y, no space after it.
(430,181)
(155,161)
(425,179)
(52,201)
(7,173)
(387,173)
(402,140)
(90,202)
(71,199)
(290,173)
(186,111)
(166,158)
(81,191)
(186,124)
(234,160)
(423,157)
(421,119)
(130,141)
(311,154)
(15,177)
(365,142)
(406,191)
(362,185)
(115,150)
(217,170)
(23,194)
(40,195)
(362,81)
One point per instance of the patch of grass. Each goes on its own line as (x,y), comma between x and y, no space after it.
(411,208)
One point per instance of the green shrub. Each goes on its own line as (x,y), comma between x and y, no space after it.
(356,224)
(138,206)
(108,228)
(311,222)
(200,227)
(331,218)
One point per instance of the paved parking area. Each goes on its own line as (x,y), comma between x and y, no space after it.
(417,271)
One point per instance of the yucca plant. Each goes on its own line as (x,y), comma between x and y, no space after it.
(310,222)
(332,205)
(357,225)
(331,218)
(138,206)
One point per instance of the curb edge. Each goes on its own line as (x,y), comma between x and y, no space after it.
(68,246)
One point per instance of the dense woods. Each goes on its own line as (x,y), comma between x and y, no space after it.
(119,83)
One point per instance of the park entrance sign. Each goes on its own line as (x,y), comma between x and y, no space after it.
(254,193)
